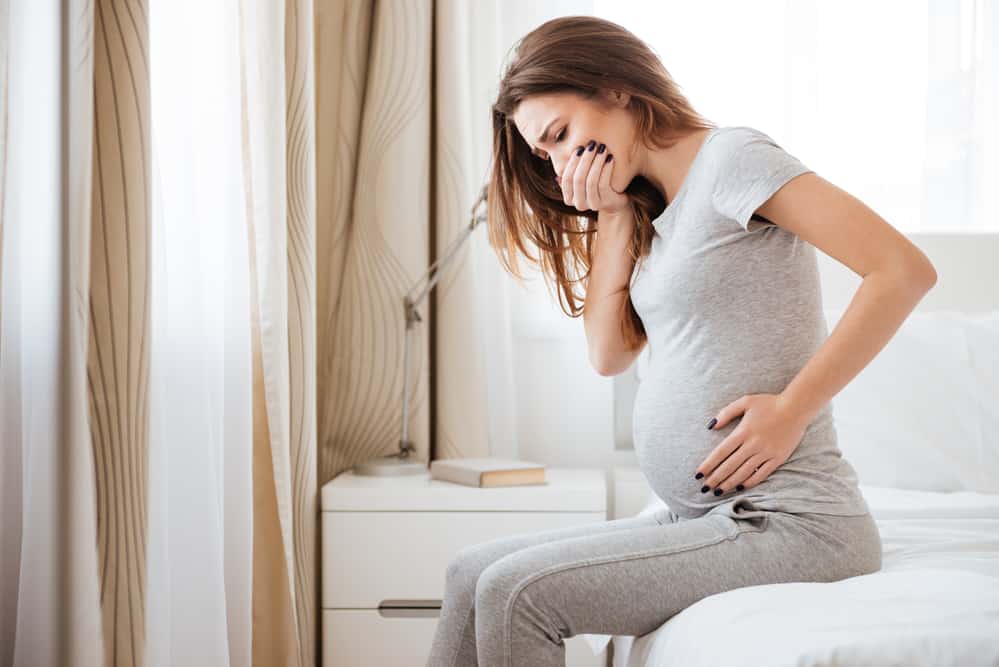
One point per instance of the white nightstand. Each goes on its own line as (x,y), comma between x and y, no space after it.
(386,543)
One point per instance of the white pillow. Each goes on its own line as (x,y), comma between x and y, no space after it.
(924,414)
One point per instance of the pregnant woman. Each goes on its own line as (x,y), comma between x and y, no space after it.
(698,241)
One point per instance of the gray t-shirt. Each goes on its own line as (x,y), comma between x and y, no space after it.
(732,306)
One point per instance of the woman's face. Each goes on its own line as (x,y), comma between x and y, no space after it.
(571,122)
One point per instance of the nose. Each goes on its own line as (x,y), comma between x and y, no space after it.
(560,159)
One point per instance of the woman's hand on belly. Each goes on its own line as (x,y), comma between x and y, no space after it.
(766,436)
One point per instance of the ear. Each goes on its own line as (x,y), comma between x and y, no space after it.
(617,97)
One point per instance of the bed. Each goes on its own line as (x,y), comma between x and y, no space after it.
(921,426)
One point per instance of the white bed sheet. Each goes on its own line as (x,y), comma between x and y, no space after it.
(935,601)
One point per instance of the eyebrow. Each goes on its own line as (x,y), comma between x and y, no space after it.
(544,135)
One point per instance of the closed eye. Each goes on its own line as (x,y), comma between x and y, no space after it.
(544,155)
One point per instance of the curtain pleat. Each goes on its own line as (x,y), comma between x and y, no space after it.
(261,74)
(301,178)
(399,104)
(86,513)
(278,131)
(118,354)
(343,34)
(9,456)
(4,125)
(461,428)
(373,107)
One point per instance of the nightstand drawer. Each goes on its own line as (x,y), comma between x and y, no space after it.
(369,557)
(361,637)
(364,637)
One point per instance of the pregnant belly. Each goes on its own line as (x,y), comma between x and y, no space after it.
(672,439)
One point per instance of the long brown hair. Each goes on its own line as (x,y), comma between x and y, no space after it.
(583,55)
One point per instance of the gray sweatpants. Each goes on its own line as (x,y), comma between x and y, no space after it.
(511,601)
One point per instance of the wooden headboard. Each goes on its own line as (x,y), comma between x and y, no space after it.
(967,265)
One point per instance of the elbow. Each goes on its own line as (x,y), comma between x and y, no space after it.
(922,275)
(606,371)
(915,272)
(602,365)
(614,355)
(931,277)
(609,365)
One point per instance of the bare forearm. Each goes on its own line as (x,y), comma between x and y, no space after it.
(607,290)
(882,302)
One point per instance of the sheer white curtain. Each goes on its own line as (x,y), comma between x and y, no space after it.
(507,314)
(199,551)
(30,333)
(894,101)
(200,539)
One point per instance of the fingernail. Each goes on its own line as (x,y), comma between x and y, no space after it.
(590,145)
(609,158)
(711,424)
(601,147)
(704,489)
(580,151)
(699,475)
(740,488)
(718,492)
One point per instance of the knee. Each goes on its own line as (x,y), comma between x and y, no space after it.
(493,585)
(507,593)
(463,569)
(499,583)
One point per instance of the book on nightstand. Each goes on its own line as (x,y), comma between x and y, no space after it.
(487,472)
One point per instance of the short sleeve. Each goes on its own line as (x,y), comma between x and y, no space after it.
(751,168)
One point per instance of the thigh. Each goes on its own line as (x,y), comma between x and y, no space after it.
(631,581)
(847,546)
(474,558)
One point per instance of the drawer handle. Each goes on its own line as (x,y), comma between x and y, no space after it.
(409,608)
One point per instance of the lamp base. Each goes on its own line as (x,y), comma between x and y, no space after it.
(389,466)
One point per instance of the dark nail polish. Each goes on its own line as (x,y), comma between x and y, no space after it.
(740,488)
(704,489)
(590,145)
(711,424)
(699,475)
(610,157)
(718,492)
(580,151)
(601,147)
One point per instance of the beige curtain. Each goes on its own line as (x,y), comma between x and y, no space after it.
(401,155)
(373,151)
(277,84)
(92,610)
(361,149)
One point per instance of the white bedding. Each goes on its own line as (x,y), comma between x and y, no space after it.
(934,603)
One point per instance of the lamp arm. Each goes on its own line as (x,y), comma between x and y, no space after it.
(435,272)
(432,275)
(412,315)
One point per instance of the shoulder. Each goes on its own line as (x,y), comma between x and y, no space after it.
(741,154)
(734,141)
(748,167)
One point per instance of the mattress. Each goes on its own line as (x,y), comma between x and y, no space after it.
(935,601)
